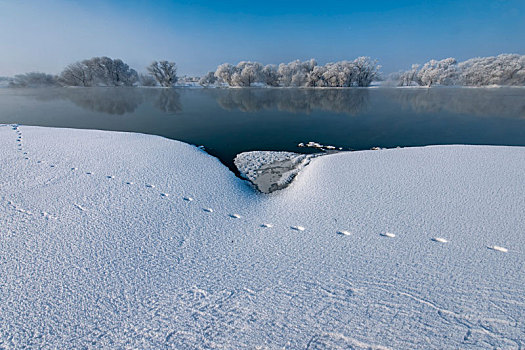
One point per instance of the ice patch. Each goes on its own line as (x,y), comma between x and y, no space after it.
(270,171)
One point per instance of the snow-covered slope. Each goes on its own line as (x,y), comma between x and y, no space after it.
(105,242)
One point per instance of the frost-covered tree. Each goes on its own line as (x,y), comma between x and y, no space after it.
(409,77)
(295,73)
(366,70)
(505,69)
(359,72)
(316,77)
(164,72)
(147,80)
(76,74)
(98,71)
(442,72)
(224,73)
(269,75)
(208,79)
(246,73)
(34,79)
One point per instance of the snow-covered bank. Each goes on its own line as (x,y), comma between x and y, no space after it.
(100,247)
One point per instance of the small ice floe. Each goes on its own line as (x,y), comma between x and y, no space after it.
(150,186)
(235,216)
(298,228)
(267,225)
(388,234)
(498,248)
(440,240)
(300,145)
(209,210)
(344,233)
(188,199)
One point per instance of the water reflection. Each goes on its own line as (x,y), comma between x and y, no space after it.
(347,101)
(464,101)
(116,101)
(505,102)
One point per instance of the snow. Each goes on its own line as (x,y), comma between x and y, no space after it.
(92,262)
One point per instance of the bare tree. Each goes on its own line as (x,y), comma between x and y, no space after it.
(164,72)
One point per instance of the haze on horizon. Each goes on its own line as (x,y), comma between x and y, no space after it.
(199,35)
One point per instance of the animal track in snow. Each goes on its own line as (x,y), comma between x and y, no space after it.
(78,206)
(17,208)
(498,248)
(209,210)
(48,216)
(267,225)
(235,216)
(388,234)
(298,228)
(439,239)
(344,233)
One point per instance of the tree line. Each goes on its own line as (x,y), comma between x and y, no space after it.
(506,69)
(101,71)
(359,72)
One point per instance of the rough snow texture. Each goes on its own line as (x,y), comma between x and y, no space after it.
(270,171)
(92,262)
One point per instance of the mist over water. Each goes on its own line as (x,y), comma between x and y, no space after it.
(231,121)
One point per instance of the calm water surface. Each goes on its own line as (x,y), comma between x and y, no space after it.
(230,121)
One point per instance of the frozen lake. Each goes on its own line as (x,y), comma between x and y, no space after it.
(230,121)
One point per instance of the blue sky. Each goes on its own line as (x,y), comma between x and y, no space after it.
(47,35)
